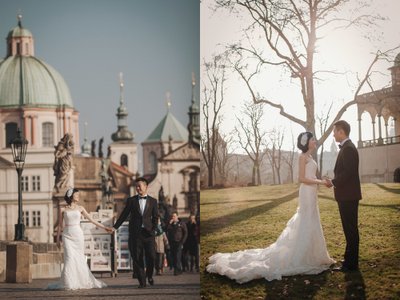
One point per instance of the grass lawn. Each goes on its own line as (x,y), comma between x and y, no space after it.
(253,217)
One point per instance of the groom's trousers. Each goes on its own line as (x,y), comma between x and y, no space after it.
(349,216)
(143,247)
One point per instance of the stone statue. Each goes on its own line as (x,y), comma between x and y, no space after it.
(63,162)
(161,196)
(175,202)
(101,148)
(93,151)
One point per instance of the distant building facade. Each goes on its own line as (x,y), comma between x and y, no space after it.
(379,157)
(171,161)
(35,98)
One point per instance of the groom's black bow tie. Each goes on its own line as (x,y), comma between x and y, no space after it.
(340,146)
(144,197)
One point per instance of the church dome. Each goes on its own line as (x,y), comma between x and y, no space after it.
(26,80)
(19,32)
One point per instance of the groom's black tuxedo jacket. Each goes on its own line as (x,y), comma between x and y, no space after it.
(347,180)
(149,218)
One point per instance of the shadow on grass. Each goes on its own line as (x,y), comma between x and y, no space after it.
(218,223)
(393,206)
(295,287)
(236,202)
(390,190)
(298,287)
(355,286)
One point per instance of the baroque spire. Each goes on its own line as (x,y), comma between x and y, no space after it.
(194,116)
(122,134)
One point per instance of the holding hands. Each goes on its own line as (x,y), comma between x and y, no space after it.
(109,229)
(325,181)
(328,182)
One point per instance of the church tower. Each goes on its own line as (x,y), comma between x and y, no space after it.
(167,136)
(194,118)
(123,150)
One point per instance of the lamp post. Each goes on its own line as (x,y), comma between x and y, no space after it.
(18,147)
(109,196)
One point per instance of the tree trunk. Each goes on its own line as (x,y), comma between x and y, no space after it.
(321,161)
(253,177)
(210,177)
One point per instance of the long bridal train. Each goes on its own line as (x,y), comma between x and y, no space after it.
(300,249)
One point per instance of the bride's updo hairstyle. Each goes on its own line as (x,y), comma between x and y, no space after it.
(302,141)
(69,194)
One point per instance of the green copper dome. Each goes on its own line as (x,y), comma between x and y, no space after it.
(28,81)
(19,32)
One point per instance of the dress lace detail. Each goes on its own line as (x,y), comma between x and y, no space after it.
(76,273)
(300,249)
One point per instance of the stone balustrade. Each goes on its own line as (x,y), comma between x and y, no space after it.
(46,260)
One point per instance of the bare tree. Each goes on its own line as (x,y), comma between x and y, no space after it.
(323,120)
(290,30)
(213,98)
(274,154)
(251,136)
(270,153)
(289,158)
(223,159)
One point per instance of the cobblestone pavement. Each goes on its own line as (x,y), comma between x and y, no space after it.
(167,286)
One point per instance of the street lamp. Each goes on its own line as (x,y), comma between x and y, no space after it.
(18,147)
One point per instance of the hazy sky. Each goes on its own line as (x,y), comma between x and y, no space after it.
(345,51)
(154,43)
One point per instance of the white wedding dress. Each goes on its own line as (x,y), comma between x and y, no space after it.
(76,273)
(300,249)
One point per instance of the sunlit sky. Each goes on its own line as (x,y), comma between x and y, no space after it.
(343,51)
(89,42)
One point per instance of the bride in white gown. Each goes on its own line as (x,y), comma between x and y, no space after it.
(301,247)
(75,274)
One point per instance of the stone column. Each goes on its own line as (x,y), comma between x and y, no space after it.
(380,140)
(386,129)
(26,132)
(64,123)
(359,134)
(373,131)
(70,125)
(19,261)
(33,129)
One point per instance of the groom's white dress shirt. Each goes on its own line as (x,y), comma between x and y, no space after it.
(142,204)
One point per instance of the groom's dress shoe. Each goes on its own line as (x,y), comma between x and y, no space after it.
(151,281)
(142,286)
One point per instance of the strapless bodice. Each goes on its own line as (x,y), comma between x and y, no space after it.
(72,217)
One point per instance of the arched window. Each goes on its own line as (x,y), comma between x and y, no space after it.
(11,133)
(153,162)
(47,134)
(19,48)
(124,160)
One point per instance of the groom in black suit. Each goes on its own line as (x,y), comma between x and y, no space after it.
(347,192)
(142,225)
